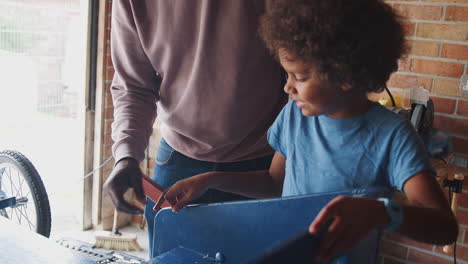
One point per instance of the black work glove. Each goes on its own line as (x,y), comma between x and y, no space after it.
(125,175)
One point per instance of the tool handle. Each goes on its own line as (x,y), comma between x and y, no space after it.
(115,229)
(458,176)
(155,192)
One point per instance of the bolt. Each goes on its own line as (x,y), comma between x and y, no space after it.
(219,257)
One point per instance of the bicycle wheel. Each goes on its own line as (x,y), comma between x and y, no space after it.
(19,178)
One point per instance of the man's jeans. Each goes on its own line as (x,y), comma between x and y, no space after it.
(172,166)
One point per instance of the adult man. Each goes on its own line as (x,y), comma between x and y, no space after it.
(199,66)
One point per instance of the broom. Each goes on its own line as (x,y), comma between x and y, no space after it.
(115,239)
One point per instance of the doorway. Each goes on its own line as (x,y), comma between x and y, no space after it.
(43,79)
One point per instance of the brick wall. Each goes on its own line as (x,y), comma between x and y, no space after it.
(108,106)
(437,36)
(107,210)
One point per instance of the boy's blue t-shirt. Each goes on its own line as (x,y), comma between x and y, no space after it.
(323,154)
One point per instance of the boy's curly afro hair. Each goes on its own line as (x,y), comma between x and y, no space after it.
(357,42)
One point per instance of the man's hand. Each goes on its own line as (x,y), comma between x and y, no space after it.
(352,219)
(186,190)
(125,175)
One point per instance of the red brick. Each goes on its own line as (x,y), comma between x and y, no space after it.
(107,151)
(460,145)
(404,64)
(107,126)
(109,113)
(108,33)
(442,68)
(407,81)
(424,12)
(423,48)
(108,60)
(455,51)
(401,239)
(463,202)
(449,1)
(462,108)
(451,124)
(108,99)
(423,257)
(107,169)
(388,247)
(440,250)
(443,31)
(446,87)
(443,105)
(107,140)
(462,252)
(408,27)
(109,73)
(456,13)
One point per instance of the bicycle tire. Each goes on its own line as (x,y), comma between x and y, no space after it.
(35,184)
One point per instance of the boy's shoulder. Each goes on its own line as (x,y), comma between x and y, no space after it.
(386,119)
(378,117)
(385,114)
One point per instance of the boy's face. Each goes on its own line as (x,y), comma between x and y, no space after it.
(313,93)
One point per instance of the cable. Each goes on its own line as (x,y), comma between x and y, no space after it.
(455,243)
(100,166)
(391,96)
(450,192)
(89,174)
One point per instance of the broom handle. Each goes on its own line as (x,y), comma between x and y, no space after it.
(115,230)
(458,176)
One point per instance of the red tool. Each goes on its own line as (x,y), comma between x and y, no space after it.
(155,192)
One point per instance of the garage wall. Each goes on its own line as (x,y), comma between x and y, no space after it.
(437,34)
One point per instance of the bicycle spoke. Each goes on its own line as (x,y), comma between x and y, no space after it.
(14,190)
(4,213)
(25,214)
(18,214)
(21,181)
(22,176)
(21,215)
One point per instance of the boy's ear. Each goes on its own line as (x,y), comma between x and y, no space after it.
(346,87)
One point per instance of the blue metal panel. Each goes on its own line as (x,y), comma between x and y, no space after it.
(243,230)
(180,255)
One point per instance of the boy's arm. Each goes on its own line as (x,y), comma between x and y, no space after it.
(255,184)
(427,215)
(426,218)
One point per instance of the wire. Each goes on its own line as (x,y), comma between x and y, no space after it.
(100,166)
(442,160)
(450,191)
(87,175)
(391,96)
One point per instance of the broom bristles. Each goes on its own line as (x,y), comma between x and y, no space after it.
(121,242)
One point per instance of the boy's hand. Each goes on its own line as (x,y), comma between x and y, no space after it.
(353,218)
(184,191)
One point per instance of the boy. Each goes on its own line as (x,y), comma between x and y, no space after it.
(330,137)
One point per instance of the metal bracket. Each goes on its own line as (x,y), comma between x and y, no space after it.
(8,202)
(455,186)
